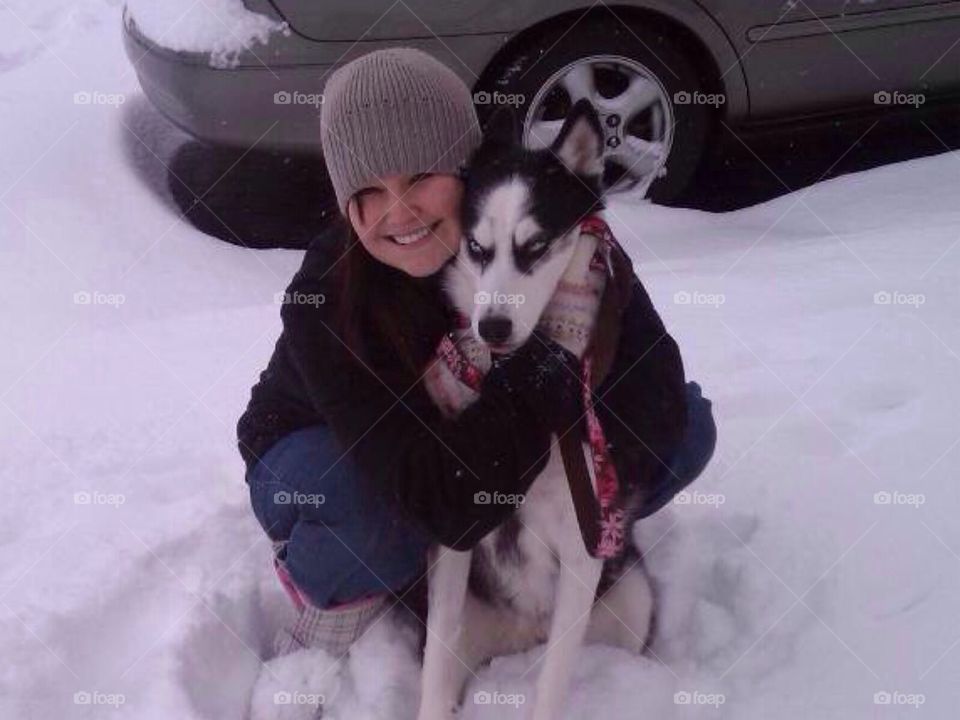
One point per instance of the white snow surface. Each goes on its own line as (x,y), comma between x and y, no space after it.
(223,28)
(135,581)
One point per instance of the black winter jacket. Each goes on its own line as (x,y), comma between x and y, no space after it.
(431,467)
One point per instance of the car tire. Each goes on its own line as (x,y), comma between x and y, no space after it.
(521,79)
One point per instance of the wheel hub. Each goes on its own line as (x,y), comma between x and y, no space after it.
(613,129)
(635,113)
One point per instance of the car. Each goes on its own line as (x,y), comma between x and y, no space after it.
(662,73)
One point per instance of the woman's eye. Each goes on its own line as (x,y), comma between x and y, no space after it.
(362,196)
(420,176)
(473,246)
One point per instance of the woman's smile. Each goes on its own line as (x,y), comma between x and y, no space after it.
(415,236)
(410,222)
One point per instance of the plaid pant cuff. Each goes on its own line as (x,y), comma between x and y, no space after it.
(334,629)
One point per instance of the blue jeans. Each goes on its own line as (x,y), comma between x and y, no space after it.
(696,449)
(341,543)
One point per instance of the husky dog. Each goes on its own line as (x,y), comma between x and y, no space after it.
(531,580)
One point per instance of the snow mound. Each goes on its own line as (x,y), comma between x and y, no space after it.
(811,573)
(379,680)
(292,687)
(376,680)
(223,28)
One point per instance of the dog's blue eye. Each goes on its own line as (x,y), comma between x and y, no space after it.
(478,253)
(534,248)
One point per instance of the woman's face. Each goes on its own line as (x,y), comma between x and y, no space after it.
(410,222)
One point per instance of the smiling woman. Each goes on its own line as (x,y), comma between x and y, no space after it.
(354,470)
(409,222)
(340,412)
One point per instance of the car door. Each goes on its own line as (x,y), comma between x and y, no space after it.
(912,47)
(781,52)
(804,57)
(361,20)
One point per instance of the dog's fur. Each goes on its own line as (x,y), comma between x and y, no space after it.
(531,580)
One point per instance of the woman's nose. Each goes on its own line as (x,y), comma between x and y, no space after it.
(404,207)
(401,214)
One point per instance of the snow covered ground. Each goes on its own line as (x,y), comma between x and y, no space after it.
(814,572)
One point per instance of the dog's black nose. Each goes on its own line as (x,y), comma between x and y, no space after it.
(495,329)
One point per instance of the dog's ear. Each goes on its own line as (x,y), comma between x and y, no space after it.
(580,142)
(502,129)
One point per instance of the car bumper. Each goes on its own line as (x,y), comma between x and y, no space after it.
(273,96)
(250,104)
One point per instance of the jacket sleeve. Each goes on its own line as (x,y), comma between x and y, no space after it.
(643,402)
(431,467)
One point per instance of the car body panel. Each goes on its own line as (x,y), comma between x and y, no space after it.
(235,106)
(775,60)
(828,55)
(240,106)
(372,20)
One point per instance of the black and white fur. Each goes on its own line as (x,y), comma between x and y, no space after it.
(531,580)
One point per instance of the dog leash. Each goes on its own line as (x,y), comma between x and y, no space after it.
(600,516)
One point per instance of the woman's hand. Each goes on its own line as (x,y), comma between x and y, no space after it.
(548,374)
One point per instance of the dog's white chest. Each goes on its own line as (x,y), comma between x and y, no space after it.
(548,535)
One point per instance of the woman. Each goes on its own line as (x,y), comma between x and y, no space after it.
(353,473)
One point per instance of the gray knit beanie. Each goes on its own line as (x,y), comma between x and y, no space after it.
(394,111)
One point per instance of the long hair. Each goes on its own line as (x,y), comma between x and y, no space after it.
(381,306)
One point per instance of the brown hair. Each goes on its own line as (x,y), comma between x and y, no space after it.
(407,315)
